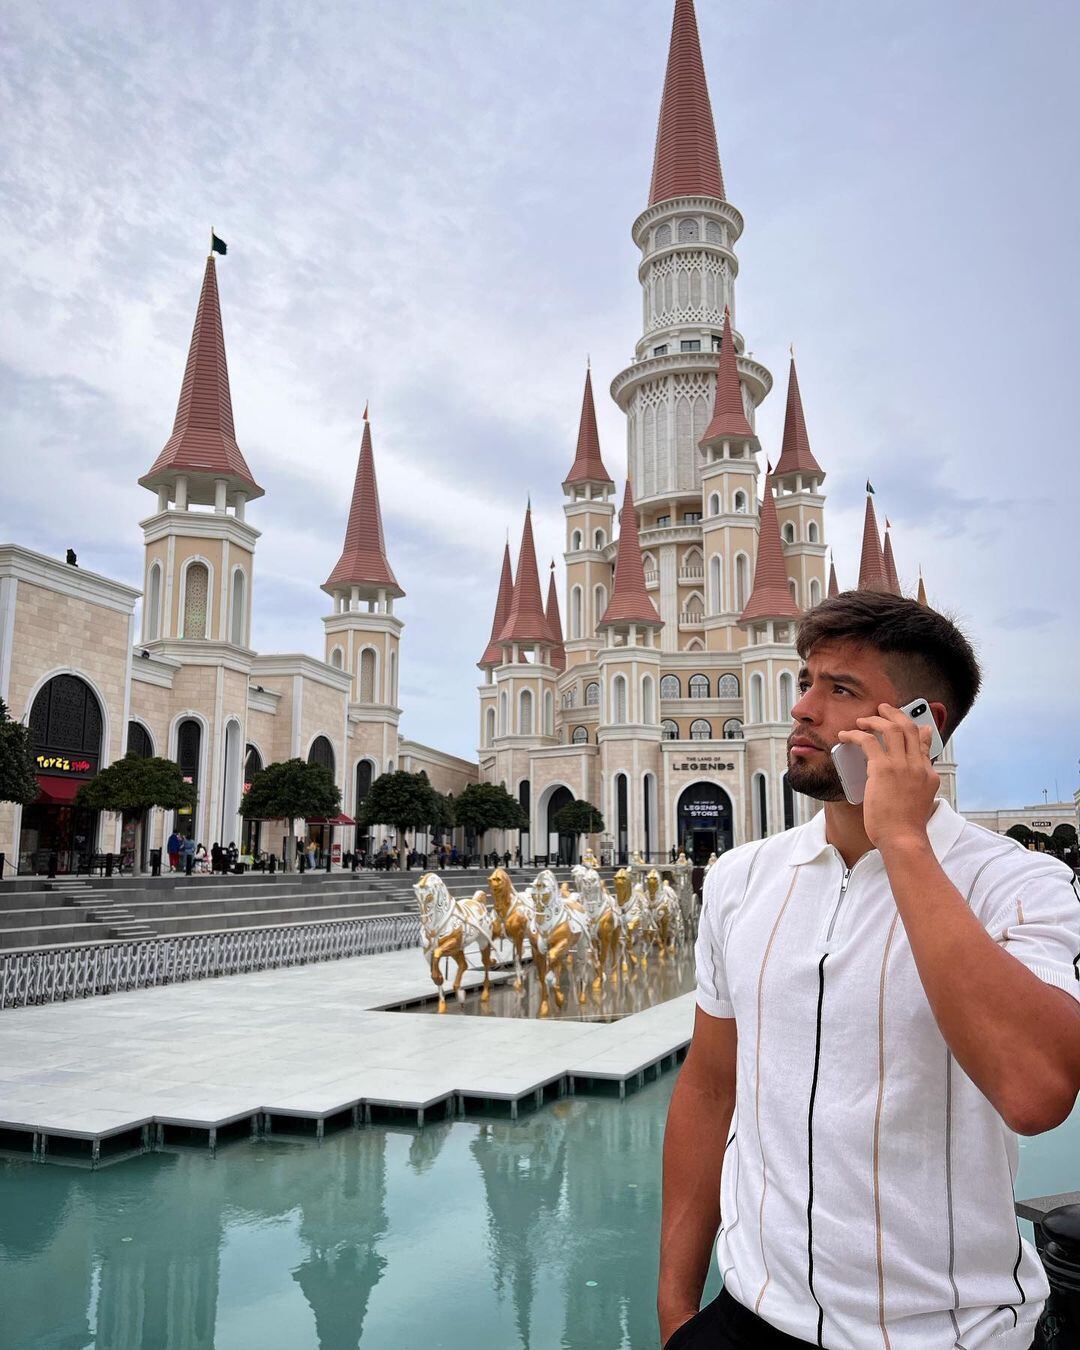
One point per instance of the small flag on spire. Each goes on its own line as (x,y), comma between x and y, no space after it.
(217,245)
(869,487)
(887,525)
(366,401)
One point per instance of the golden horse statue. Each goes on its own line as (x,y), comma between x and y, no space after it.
(633,905)
(447,927)
(665,916)
(605,921)
(562,931)
(515,919)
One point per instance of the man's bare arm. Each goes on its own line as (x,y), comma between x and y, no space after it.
(694,1140)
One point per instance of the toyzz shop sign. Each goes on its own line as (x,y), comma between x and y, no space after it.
(65,764)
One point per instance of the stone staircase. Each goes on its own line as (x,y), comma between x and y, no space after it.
(102,907)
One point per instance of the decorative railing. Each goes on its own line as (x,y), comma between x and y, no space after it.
(692,616)
(652,579)
(692,574)
(53,975)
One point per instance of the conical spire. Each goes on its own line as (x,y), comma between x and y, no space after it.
(363,560)
(834,589)
(729,415)
(921,596)
(554,622)
(629,601)
(588,467)
(525,621)
(771,595)
(686,162)
(203,442)
(890,563)
(493,651)
(872,560)
(795,454)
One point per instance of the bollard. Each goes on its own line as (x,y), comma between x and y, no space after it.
(108,864)
(155,862)
(52,863)
(273,864)
(1059,1248)
(328,860)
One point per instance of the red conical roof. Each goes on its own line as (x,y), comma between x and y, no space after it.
(795,454)
(554,622)
(588,467)
(890,564)
(834,589)
(363,560)
(729,416)
(203,441)
(771,596)
(525,621)
(686,162)
(872,560)
(493,655)
(629,601)
(921,596)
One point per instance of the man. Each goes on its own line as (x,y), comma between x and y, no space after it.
(172,848)
(887,996)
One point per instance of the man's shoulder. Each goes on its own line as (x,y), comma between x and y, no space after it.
(733,869)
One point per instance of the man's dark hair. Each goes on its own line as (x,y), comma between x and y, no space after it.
(924,652)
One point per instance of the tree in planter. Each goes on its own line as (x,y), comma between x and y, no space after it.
(1064,841)
(487,806)
(405,801)
(18,771)
(1021,834)
(132,786)
(578,818)
(288,790)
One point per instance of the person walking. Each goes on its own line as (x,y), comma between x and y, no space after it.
(215,857)
(172,848)
(232,856)
(895,992)
(187,852)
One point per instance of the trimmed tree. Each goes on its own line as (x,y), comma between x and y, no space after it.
(288,790)
(1063,840)
(1020,833)
(132,786)
(578,818)
(18,770)
(487,806)
(405,801)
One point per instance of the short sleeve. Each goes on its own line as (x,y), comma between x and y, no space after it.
(713,995)
(1040,926)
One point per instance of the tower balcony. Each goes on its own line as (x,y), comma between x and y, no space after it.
(690,575)
(757,377)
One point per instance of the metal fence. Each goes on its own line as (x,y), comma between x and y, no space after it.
(52,975)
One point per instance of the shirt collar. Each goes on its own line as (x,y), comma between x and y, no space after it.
(942,829)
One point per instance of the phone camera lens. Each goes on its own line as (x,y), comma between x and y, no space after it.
(918,712)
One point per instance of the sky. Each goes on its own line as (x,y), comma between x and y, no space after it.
(428,206)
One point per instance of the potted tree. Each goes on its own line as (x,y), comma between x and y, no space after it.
(289,790)
(132,786)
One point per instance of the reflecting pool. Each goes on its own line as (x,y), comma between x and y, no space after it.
(479,1234)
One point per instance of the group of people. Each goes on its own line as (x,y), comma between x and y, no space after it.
(185,855)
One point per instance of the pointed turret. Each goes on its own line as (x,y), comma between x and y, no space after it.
(554,622)
(363,562)
(629,603)
(834,589)
(890,563)
(921,595)
(493,651)
(729,415)
(771,596)
(202,448)
(796,455)
(588,467)
(686,162)
(872,560)
(525,622)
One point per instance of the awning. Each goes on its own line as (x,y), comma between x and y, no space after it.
(339,819)
(57,791)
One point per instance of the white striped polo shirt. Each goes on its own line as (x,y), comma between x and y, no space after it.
(867,1188)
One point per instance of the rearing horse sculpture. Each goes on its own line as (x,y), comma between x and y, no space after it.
(515,919)
(562,929)
(448,926)
(605,921)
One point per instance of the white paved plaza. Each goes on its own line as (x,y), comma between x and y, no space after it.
(305,1041)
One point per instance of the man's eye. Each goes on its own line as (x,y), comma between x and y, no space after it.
(840,689)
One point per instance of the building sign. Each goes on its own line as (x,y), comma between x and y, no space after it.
(63,764)
(335,854)
(701,810)
(703,765)
(1041,824)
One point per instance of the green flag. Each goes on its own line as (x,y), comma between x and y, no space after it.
(869,487)
(217,245)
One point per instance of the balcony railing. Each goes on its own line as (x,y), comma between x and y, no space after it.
(693,617)
(692,574)
(652,580)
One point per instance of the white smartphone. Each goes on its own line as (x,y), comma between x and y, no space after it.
(851,762)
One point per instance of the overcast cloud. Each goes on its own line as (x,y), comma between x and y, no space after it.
(429,205)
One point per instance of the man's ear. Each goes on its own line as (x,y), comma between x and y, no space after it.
(940,714)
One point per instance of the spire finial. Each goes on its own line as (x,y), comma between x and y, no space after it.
(791,349)
(366,402)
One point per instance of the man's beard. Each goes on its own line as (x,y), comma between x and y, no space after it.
(818,780)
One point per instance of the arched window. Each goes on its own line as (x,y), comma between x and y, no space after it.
(787,694)
(688,231)
(322,752)
(599,539)
(152,613)
(695,645)
(237,612)
(188,752)
(580,736)
(525,713)
(66,717)
(740,502)
(575,612)
(742,581)
(648,566)
(757,698)
(337,658)
(618,699)
(575,541)
(815,592)
(599,603)
(138,741)
(714,504)
(812,532)
(759,794)
(700,730)
(504,705)
(793,587)
(669,730)
(252,763)
(670,687)
(367,675)
(699,686)
(592,694)
(489,726)
(732,729)
(196,592)
(789,532)
(648,700)
(716,584)
(393,677)
(569,698)
(549,713)
(728,687)
(662,237)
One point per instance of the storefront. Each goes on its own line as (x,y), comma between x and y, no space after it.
(66,733)
(704,821)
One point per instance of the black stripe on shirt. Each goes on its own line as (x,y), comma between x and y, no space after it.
(810,1152)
